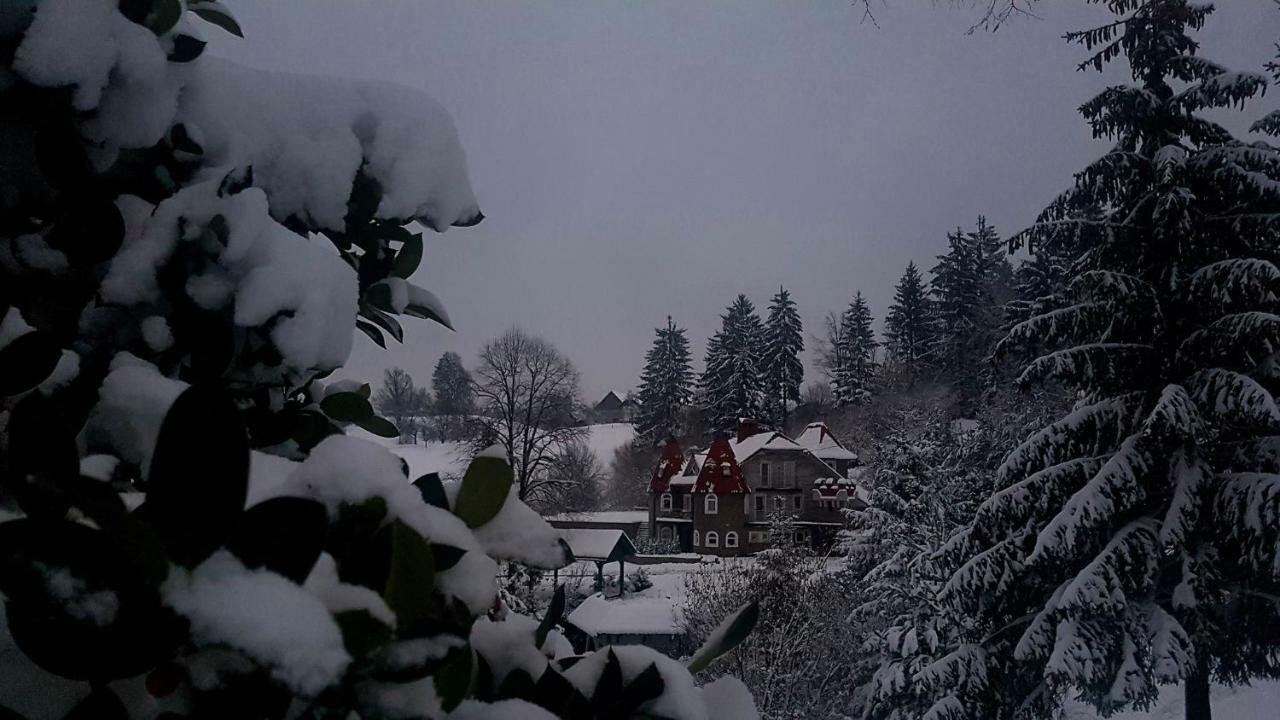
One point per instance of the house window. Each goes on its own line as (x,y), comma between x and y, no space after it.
(686,502)
(696,540)
(713,540)
(666,501)
(789,474)
(711,504)
(779,504)
(764,474)
(731,539)
(757,537)
(760,499)
(726,469)
(801,538)
(795,502)
(664,534)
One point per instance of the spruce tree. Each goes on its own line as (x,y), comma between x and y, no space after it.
(907,326)
(970,285)
(452,385)
(666,385)
(1133,542)
(732,384)
(855,372)
(784,371)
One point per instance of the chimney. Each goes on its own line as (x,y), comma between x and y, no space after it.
(746,428)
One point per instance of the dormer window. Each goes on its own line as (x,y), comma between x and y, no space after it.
(711,504)
(665,502)
(726,469)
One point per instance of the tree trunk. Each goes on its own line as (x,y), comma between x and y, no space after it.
(1197,693)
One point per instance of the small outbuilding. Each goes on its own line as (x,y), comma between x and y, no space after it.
(655,622)
(601,546)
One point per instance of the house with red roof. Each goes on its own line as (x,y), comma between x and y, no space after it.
(721,501)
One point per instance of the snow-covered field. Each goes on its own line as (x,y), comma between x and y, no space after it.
(450,458)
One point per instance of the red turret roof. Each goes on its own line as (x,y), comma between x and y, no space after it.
(720,472)
(669,465)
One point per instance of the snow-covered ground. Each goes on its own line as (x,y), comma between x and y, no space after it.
(450,458)
(1261,701)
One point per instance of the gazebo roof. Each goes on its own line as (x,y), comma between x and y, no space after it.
(599,545)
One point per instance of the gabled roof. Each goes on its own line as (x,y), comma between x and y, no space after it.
(610,401)
(720,473)
(817,439)
(768,440)
(628,616)
(669,465)
(598,544)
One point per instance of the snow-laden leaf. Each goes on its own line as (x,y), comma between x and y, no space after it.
(483,491)
(1172,653)
(1035,495)
(1036,641)
(730,633)
(410,580)
(218,14)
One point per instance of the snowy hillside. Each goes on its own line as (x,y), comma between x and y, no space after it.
(450,458)
(1258,702)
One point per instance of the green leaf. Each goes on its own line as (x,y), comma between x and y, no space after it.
(101,704)
(8,714)
(78,637)
(349,407)
(364,391)
(410,581)
(42,438)
(383,320)
(218,228)
(609,686)
(164,15)
(517,685)
(27,360)
(218,14)
(484,490)
(445,556)
(728,635)
(90,235)
(646,686)
(558,695)
(432,490)
(554,612)
(180,139)
(236,180)
(199,475)
(453,680)
(186,48)
(284,534)
(379,296)
(380,427)
(361,632)
(373,332)
(409,257)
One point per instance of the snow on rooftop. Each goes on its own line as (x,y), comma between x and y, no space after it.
(597,544)
(602,516)
(628,616)
(817,439)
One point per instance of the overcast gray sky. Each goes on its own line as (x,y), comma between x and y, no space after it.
(639,159)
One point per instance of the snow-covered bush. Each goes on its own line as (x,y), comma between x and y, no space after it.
(187,248)
(797,661)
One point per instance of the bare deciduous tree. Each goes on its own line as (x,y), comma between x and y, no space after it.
(400,399)
(528,392)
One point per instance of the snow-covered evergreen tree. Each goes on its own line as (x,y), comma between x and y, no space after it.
(908,332)
(855,370)
(666,385)
(1134,541)
(732,384)
(784,371)
(970,285)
